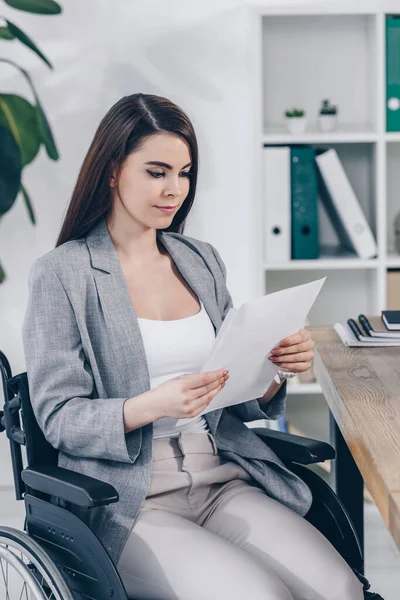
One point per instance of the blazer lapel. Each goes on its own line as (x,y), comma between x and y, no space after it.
(196,274)
(119,313)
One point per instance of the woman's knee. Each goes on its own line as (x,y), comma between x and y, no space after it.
(346,585)
(250,579)
(188,561)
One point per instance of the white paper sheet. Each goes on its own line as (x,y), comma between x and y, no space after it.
(248,335)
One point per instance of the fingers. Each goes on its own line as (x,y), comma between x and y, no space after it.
(298,367)
(300,357)
(298,337)
(209,387)
(199,380)
(302,347)
(211,393)
(205,398)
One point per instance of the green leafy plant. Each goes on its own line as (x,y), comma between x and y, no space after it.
(24,127)
(294,113)
(327,108)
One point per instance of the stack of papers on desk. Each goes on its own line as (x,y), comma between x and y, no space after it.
(350,339)
(246,338)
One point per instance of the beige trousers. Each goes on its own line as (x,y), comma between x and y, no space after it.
(206,531)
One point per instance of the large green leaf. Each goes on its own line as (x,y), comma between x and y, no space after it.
(41,7)
(10,170)
(19,34)
(45,129)
(2,274)
(46,132)
(21,118)
(5,34)
(28,204)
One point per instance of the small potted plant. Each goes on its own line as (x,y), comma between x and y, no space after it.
(396,225)
(296,120)
(327,118)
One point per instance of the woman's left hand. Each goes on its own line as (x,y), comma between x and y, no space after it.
(295,353)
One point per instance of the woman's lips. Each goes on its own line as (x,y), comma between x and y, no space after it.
(166,210)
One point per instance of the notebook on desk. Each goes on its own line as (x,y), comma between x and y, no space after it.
(391,319)
(374,327)
(349,338)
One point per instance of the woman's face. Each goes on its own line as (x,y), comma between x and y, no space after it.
(144,185)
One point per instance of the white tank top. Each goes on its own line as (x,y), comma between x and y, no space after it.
(174,348)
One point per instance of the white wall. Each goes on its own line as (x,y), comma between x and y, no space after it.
(198,55)
(194,55)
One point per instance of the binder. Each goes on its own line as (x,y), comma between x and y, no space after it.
(343,207)
(304,203)
(393,289)
(392,73)
(277,217)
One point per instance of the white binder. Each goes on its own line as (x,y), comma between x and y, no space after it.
(277,204)
(343,207)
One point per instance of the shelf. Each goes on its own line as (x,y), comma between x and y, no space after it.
(301,60)
(344,292)
(323,263)
(304,388)
(393,261)
(349,135)
(392,136)
(306,59)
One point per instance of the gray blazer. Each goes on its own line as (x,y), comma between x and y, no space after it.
(85,356)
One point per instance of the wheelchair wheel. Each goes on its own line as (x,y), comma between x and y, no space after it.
(26,570)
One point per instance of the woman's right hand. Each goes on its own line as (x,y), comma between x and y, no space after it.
(185,396)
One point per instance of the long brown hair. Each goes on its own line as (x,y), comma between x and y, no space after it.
(121,131)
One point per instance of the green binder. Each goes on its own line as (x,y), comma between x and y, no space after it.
(392,72)
(304,203)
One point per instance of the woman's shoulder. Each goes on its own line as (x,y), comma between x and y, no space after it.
(184,239)
(205,249)
(71,256)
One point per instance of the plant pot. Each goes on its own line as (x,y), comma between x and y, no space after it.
(296,125)
(327,122)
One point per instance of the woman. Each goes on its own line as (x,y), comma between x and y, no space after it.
(121,316)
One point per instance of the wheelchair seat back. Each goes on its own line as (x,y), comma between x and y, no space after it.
(22,429)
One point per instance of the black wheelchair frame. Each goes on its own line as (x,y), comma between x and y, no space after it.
(51,494)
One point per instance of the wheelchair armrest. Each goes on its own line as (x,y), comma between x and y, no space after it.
(295,448)
(69,485)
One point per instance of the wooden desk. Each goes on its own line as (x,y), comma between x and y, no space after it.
(362,389)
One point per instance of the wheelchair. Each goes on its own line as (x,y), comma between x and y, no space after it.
(57,556)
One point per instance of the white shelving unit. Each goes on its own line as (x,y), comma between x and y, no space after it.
(304,388)
(335,50)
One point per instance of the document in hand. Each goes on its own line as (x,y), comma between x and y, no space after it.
(248,335)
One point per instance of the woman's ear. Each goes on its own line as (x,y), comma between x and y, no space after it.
(113,178)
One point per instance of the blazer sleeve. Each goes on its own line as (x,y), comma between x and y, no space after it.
(251,410)
(61,384)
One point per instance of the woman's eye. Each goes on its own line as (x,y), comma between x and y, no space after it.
(187,174)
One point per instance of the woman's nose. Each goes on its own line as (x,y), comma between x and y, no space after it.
(173,187)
